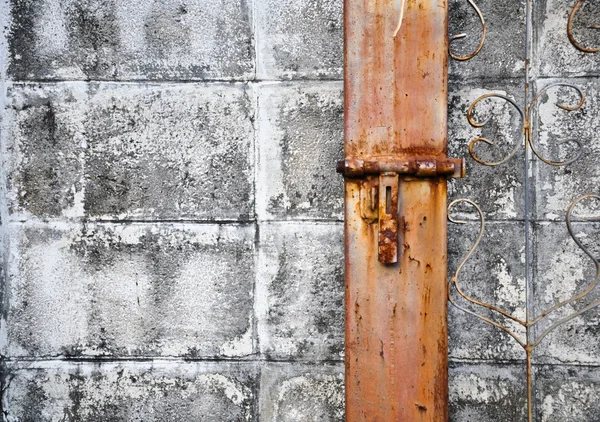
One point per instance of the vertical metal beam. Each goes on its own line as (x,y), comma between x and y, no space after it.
(396,314)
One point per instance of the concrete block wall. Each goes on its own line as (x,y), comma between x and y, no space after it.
(172,229)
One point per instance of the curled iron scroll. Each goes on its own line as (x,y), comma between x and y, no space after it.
(527,127)
(576,43)
(461,36)
(477,124)
(454,281)
(565,107)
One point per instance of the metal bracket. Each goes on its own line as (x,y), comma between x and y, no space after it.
(379,195)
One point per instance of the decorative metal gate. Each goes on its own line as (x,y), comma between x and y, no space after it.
(396,168)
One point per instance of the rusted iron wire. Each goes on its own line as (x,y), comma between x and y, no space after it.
(572,38)
(531,342)
(400,18)
(526,124)
(464,35)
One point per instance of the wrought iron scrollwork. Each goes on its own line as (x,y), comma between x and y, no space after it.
(461,36)
(511,324)
(526,123)
(572,38)
(477,124)
(531,342)
(525,114)
(455,283)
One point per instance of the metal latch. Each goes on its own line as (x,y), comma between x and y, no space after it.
(379,195)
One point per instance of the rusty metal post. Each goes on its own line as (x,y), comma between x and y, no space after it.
(396,236)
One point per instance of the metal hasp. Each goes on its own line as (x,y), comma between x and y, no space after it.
(396,82)
(379,201)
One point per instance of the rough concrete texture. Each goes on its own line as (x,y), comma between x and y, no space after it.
(171,219)
(159,391)
(302,393)
(131,40)
(301,137)
(130,151)
(299,39)
(492,392)
(568,394)
(300,296)
(134,290)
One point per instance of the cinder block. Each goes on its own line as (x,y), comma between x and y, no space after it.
(130,290)
(554,55)
(488,393)
(300,138)
(132,40)
(130,151)
(503,53)
(302,393)
(563,271)
(299,39)
(494,274)
(44,148)
(499,190)
(300,291)
(157,391)
(568,394)
(559,186)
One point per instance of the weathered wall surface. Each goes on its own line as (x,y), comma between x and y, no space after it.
(172,221)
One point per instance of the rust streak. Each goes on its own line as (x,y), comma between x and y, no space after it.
(396,257)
